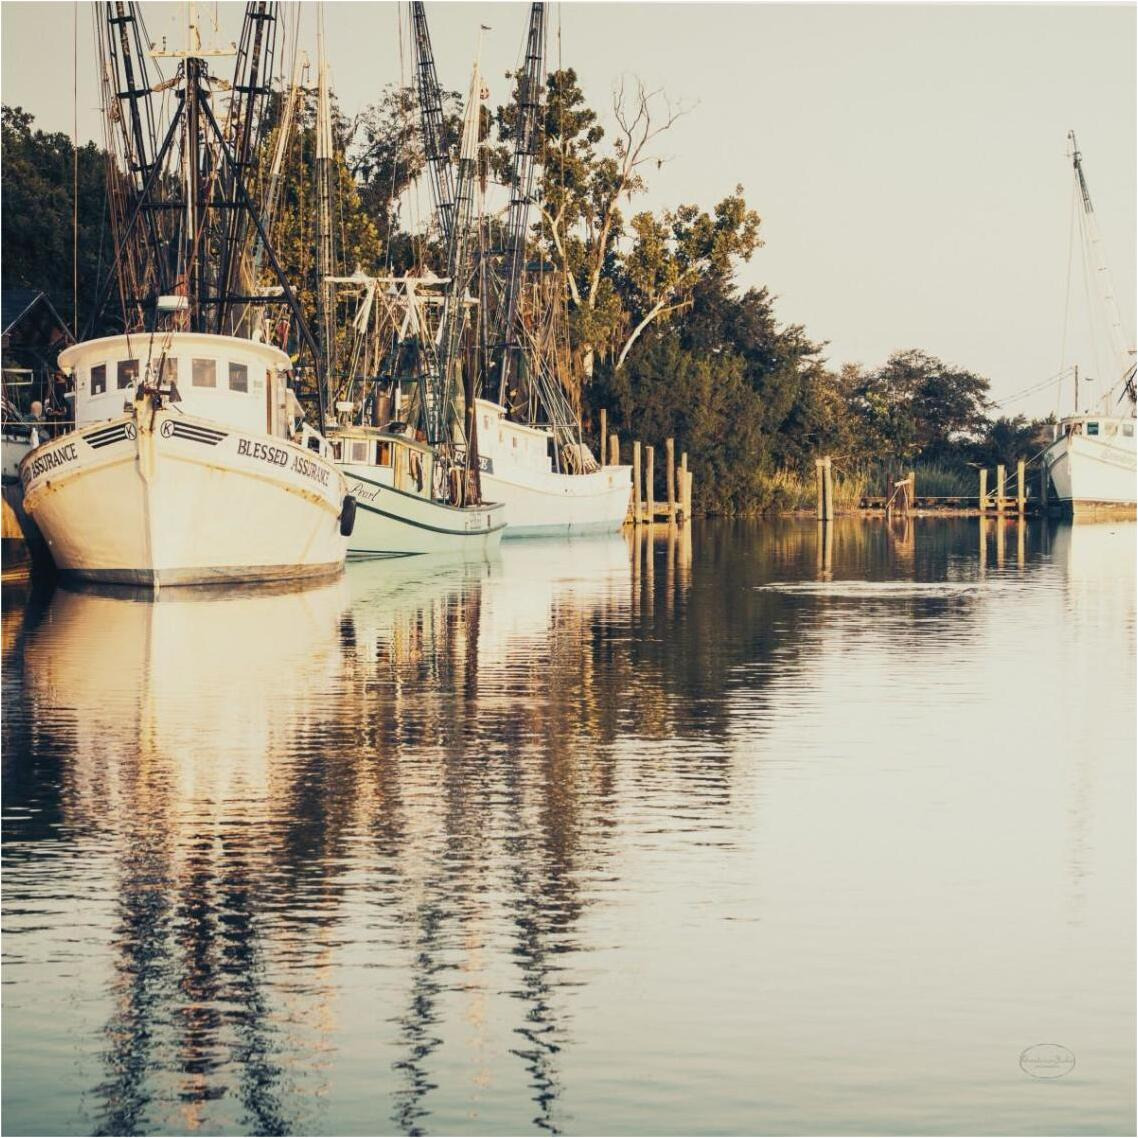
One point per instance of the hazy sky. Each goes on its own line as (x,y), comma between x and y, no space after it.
(909,162)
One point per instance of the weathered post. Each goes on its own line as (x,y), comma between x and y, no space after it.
(670,453)
(604,433)
(827,490)
(1001,478)
(682,488)
(912,489)
(637,517)
(650,482)
(1021,487)
(983,491)
(614,449)
(687,495)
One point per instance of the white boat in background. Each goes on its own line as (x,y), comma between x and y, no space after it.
(517,469)
(406,502)
(183,469)
(1091,462)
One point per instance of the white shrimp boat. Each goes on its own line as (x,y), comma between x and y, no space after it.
(404,502)
(1093,464)
(517,469)
(1091,461)
(183,468)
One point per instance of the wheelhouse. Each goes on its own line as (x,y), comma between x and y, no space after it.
(240,383)
(387,457)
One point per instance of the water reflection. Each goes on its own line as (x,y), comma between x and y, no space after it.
(386,854)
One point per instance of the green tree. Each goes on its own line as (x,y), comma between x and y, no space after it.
(36,180)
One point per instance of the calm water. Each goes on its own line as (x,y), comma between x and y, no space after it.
(749,832)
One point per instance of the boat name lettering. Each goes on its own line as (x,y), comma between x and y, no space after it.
(278,456)
(363,492)
(310,469)
(49,461)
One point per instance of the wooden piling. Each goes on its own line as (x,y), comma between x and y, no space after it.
(650,482)
(614,449)
(670,458)
(687,494)
(913,489)
(827,490)
(1021,487)
(637,501)
(1001,478)
(604,433)
(682,488)
(983,491)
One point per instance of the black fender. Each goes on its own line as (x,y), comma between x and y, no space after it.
(348,516)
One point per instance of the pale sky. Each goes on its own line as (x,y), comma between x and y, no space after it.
(909,162)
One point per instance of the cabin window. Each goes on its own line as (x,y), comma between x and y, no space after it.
(359,450)
(1110,428)
(205,373)
(337,450)
(1128,430)
(98,379)
(383,454)
(238,377)
(167,371)
(127,373)
(1092,428)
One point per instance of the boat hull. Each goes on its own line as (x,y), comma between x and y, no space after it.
(392,523)
(157,498)
(546,505)
(1092,474)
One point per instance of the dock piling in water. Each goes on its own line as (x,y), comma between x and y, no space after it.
(1001,479)
(670,453)
(827,490)
(649,482)
(637,501)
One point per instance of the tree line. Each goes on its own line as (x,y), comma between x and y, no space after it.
(660,333)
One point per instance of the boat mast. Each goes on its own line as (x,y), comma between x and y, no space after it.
(439,396)
(432,122)
(212,183)
(325,251)
(1092,240)
(527,125)
(251,91)
(133,151)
